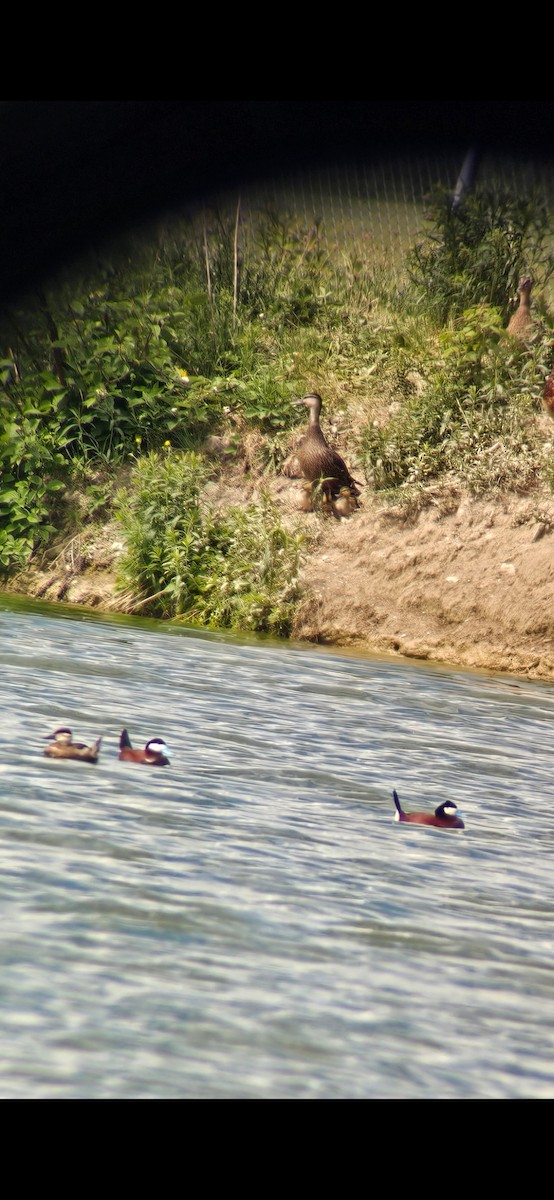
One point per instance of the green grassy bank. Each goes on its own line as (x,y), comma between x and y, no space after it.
(115,375)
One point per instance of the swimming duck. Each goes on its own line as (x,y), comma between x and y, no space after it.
(521,325)
(316,458)
(63,746)
(444,817)
(155,753)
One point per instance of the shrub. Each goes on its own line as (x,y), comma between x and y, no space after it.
(237,571)
(31,463)
(478,390)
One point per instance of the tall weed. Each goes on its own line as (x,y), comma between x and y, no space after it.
(475,253)
(473,416)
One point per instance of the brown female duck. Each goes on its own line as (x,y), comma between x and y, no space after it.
(316,458)
(63,746)
(521,324)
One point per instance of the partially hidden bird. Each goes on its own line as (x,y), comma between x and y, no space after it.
(548,393)
(521,325)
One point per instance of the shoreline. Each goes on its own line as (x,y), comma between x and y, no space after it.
(465,583)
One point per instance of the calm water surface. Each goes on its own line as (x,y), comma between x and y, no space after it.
(249,921)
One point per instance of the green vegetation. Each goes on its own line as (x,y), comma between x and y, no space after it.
(113,376)
(470,414)
(238,570)
(472,417)
(475,253)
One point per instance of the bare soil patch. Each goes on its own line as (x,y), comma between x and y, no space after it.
(472,586)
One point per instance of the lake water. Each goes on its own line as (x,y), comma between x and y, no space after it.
(249,921)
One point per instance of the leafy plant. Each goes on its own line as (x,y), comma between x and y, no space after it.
(479,390)
(30,466)
(237,571)
(476,252)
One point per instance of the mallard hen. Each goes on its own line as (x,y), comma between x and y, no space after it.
(521,325)
(316,459)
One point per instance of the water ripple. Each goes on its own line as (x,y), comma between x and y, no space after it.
(250,921)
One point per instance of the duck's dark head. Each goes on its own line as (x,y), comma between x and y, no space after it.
(312,401)
(448,809)
(62,735)
(157,746)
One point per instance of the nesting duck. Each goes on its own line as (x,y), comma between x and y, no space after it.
(521,325)
(444,817)
(63,746)
(155,753)
(317,460)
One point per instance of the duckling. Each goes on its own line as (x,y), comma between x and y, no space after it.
(444,817)
(306,497)
(317,459)
(521,325)
(155,753)
(344,504)
(63,746)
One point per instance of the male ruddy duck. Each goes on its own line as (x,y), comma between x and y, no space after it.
(444,817)
(155,753)
(63,746)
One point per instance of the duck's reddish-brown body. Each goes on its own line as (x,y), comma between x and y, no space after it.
(151,756)
(432,819)
(548,394)
(439,819)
